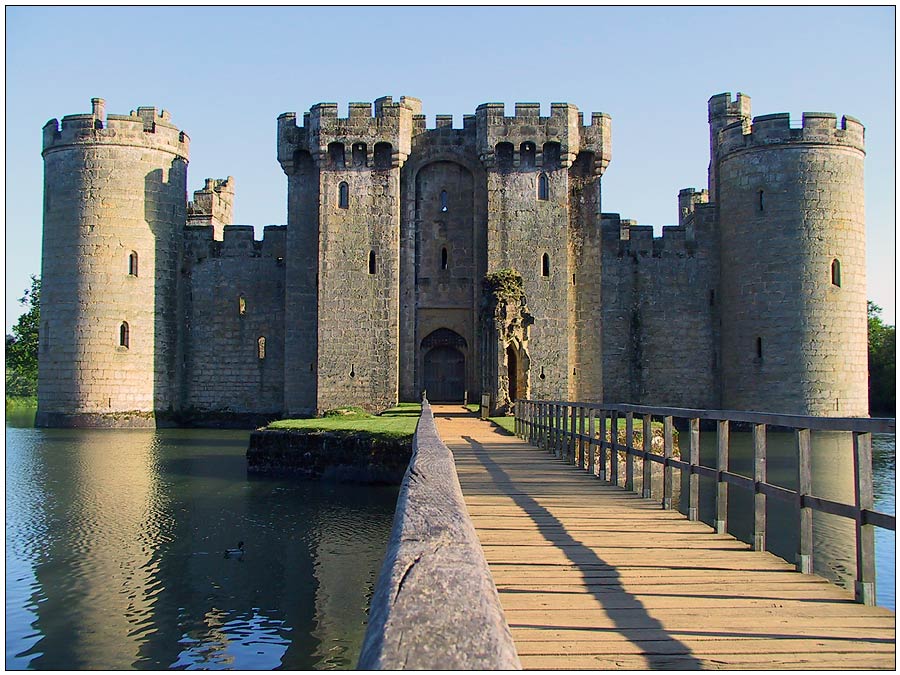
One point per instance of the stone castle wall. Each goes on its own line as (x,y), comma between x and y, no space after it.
(794,338)
(756,300)
(234,320)
(114,207)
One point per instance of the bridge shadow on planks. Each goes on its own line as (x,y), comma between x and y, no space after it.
(631,618)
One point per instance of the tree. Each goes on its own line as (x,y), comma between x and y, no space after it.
(882,364)
(22,345)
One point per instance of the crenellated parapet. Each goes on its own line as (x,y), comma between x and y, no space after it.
(622,234)
(238,241)
(817,128)
(213,204)
(554,141)
(145,128)
(359,140)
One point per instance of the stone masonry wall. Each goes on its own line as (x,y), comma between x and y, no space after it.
(791,203)
(659,314)
(234,297)
(114,190)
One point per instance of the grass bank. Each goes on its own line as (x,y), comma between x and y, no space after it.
(21,402)
(397,423)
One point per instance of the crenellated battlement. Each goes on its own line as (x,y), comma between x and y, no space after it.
(562,134)
(816,128)
(622,234)
(238,241)
(146,127)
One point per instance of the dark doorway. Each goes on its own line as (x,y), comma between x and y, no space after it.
(445,375)
(512,370)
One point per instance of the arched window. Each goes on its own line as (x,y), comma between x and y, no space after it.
(242,305)
(551,155)
(443,200)
(343,196)
(383,153)
(373,266)
(526,154)
(336,155)
(836,272)
(359,154)
(545,265)
(133,264)
(261,348)
(543,187)
(124,335)
(444,260)
(504,154)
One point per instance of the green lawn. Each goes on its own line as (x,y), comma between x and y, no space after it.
(398,422)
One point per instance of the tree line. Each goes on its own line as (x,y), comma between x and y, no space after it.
(22,355)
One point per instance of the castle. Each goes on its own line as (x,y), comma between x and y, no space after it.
(457,261)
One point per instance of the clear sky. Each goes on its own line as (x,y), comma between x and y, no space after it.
(226,73)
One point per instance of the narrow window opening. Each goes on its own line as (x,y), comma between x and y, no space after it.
(836,272)
(543,187)
(760,201)
(359,154)
(352,370)
(545,265)
(336,155)
(372,263)
(242,305)
(261,348)
(383,155)
(712,297)
(133,264)
(526,155)
(124,337)
(759,347)
(504,154)
(573,279)
(443,200)
(444,258)
(343,196)
(543,377)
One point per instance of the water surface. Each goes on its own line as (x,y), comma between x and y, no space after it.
(115,559)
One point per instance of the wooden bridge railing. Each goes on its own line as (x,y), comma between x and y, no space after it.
(577,432)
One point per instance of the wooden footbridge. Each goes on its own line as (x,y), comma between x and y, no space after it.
(592,576)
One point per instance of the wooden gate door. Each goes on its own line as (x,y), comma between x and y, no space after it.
(445,375)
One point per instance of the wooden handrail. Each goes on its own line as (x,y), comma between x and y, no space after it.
(545,424)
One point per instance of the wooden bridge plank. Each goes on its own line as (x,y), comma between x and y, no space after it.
(592,577)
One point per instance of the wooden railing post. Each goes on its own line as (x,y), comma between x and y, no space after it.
(759,476)
(804,488)
(865,533)
(573,441)
(592,460)
(614,448)
(601,473)
(629,445)
(560,418)
(668,443)
(582,458)
(693,477)
(722,485)
(646,475)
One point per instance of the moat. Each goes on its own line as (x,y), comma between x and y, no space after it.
(115,551)
(115,555)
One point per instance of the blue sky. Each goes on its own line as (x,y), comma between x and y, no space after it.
(226,73)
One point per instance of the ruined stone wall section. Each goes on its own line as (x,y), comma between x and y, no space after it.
(114,208)
(660,313)
(234,297)
(791,204)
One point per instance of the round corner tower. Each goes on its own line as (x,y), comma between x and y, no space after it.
(115,196)
(793,281)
